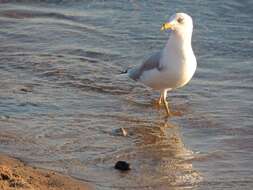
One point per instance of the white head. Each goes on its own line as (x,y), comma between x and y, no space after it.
(179,23)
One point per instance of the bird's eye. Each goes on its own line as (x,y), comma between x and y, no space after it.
(180,20)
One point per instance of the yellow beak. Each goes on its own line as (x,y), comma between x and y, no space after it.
(166,26)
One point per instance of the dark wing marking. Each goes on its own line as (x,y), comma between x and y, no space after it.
(151,63)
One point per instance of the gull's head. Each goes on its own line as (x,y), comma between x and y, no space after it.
(179,23)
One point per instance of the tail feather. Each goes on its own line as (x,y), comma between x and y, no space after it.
(123,74)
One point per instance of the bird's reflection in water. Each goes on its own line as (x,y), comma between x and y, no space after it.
(159,158)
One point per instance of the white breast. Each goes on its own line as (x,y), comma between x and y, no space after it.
(178,66)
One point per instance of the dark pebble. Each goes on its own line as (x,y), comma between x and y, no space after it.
(25,89)
(122,165)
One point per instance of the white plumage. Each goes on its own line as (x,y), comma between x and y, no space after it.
(174,66)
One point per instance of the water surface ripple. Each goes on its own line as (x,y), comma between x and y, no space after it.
(62,100)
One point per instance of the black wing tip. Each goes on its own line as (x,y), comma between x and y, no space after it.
(124,71)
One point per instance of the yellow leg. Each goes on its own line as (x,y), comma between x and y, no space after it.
(160,100)
(164,96)
(158,103)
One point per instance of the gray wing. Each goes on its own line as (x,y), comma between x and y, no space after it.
(151,63)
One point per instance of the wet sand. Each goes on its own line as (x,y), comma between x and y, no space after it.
(15,174)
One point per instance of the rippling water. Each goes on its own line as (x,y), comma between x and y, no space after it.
(62,101)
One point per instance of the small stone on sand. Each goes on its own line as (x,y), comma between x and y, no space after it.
(121,132)
(122,165)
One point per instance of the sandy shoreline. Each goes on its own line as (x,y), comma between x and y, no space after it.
(15,174)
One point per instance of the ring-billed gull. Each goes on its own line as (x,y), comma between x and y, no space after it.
(174,65)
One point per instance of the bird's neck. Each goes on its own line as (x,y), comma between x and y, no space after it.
(179,42)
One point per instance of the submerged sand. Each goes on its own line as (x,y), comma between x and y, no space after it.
(15,174)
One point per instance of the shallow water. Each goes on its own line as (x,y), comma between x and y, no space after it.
(62,100)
